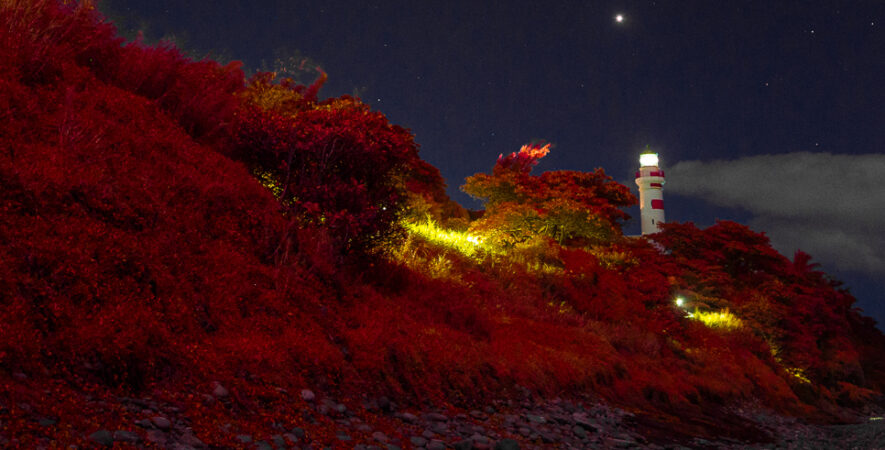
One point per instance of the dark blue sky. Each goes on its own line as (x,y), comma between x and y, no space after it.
(696,80)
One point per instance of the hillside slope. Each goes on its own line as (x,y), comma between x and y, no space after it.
(144,267)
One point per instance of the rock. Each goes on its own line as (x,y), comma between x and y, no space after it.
(298,432)
(418,441)
(308,395)
(144,423)
(47,422)
(157,437)
(188,438)
(585,422)
(218,390)
(535,418)
(263,445)
(480,441)
(466,444)
(243,438)
(507,444)
(477,414)
(436,445)
(409,417)
(342,436)
(278,441)
(161,422)
(436,417)
(427,434)
(102,437)
(126,436)
(579,431)
(380,437)
(291,438)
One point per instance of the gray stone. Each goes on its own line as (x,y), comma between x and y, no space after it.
(308,395)
(436,417)
(156,436)
(263,445)
(218,390)
(507,444)
(298,432)
(436,445)
(161,422)
(380,437)
(579,431)
(144,423)
(535,418)
(102,437)
(278,441)
(191,440)
(409,417)
(126,436)
(466,444)
(243,438)
(47,422)
(418,441)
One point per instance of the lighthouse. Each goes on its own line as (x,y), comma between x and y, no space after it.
(650,179)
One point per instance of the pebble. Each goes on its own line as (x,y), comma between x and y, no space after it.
(102,437)
(529,424)
(161,422)
(218,390)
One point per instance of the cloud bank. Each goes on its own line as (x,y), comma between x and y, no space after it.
(830,206)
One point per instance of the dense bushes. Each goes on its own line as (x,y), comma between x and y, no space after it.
(139,252)
(568,206)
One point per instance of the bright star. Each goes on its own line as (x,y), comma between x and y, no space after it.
(619,18)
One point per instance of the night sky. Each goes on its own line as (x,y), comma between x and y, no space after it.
(769,113)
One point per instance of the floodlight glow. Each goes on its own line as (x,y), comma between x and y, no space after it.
(680,301)
(648,159)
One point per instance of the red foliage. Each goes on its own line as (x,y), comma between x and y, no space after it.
(137,257)
(570,207)
(336,162)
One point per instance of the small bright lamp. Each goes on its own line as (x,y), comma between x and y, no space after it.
(680,301)
(648,159)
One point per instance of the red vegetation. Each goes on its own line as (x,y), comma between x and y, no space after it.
(141,254)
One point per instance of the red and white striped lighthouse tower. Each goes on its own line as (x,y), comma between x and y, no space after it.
(650,179)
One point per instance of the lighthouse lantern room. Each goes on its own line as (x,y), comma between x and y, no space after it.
(650,179)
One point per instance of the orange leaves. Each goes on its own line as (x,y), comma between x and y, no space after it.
(570,207)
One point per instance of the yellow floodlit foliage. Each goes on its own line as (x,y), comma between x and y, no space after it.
(465,243)
(798,374)
(718,319)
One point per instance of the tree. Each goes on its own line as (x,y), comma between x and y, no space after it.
(568,206)
(334,163)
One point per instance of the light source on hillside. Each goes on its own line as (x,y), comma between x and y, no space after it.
(680,301)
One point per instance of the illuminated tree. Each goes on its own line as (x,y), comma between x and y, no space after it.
(568,206)
(335,163)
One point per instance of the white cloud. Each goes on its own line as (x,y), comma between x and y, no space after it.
(830,206)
